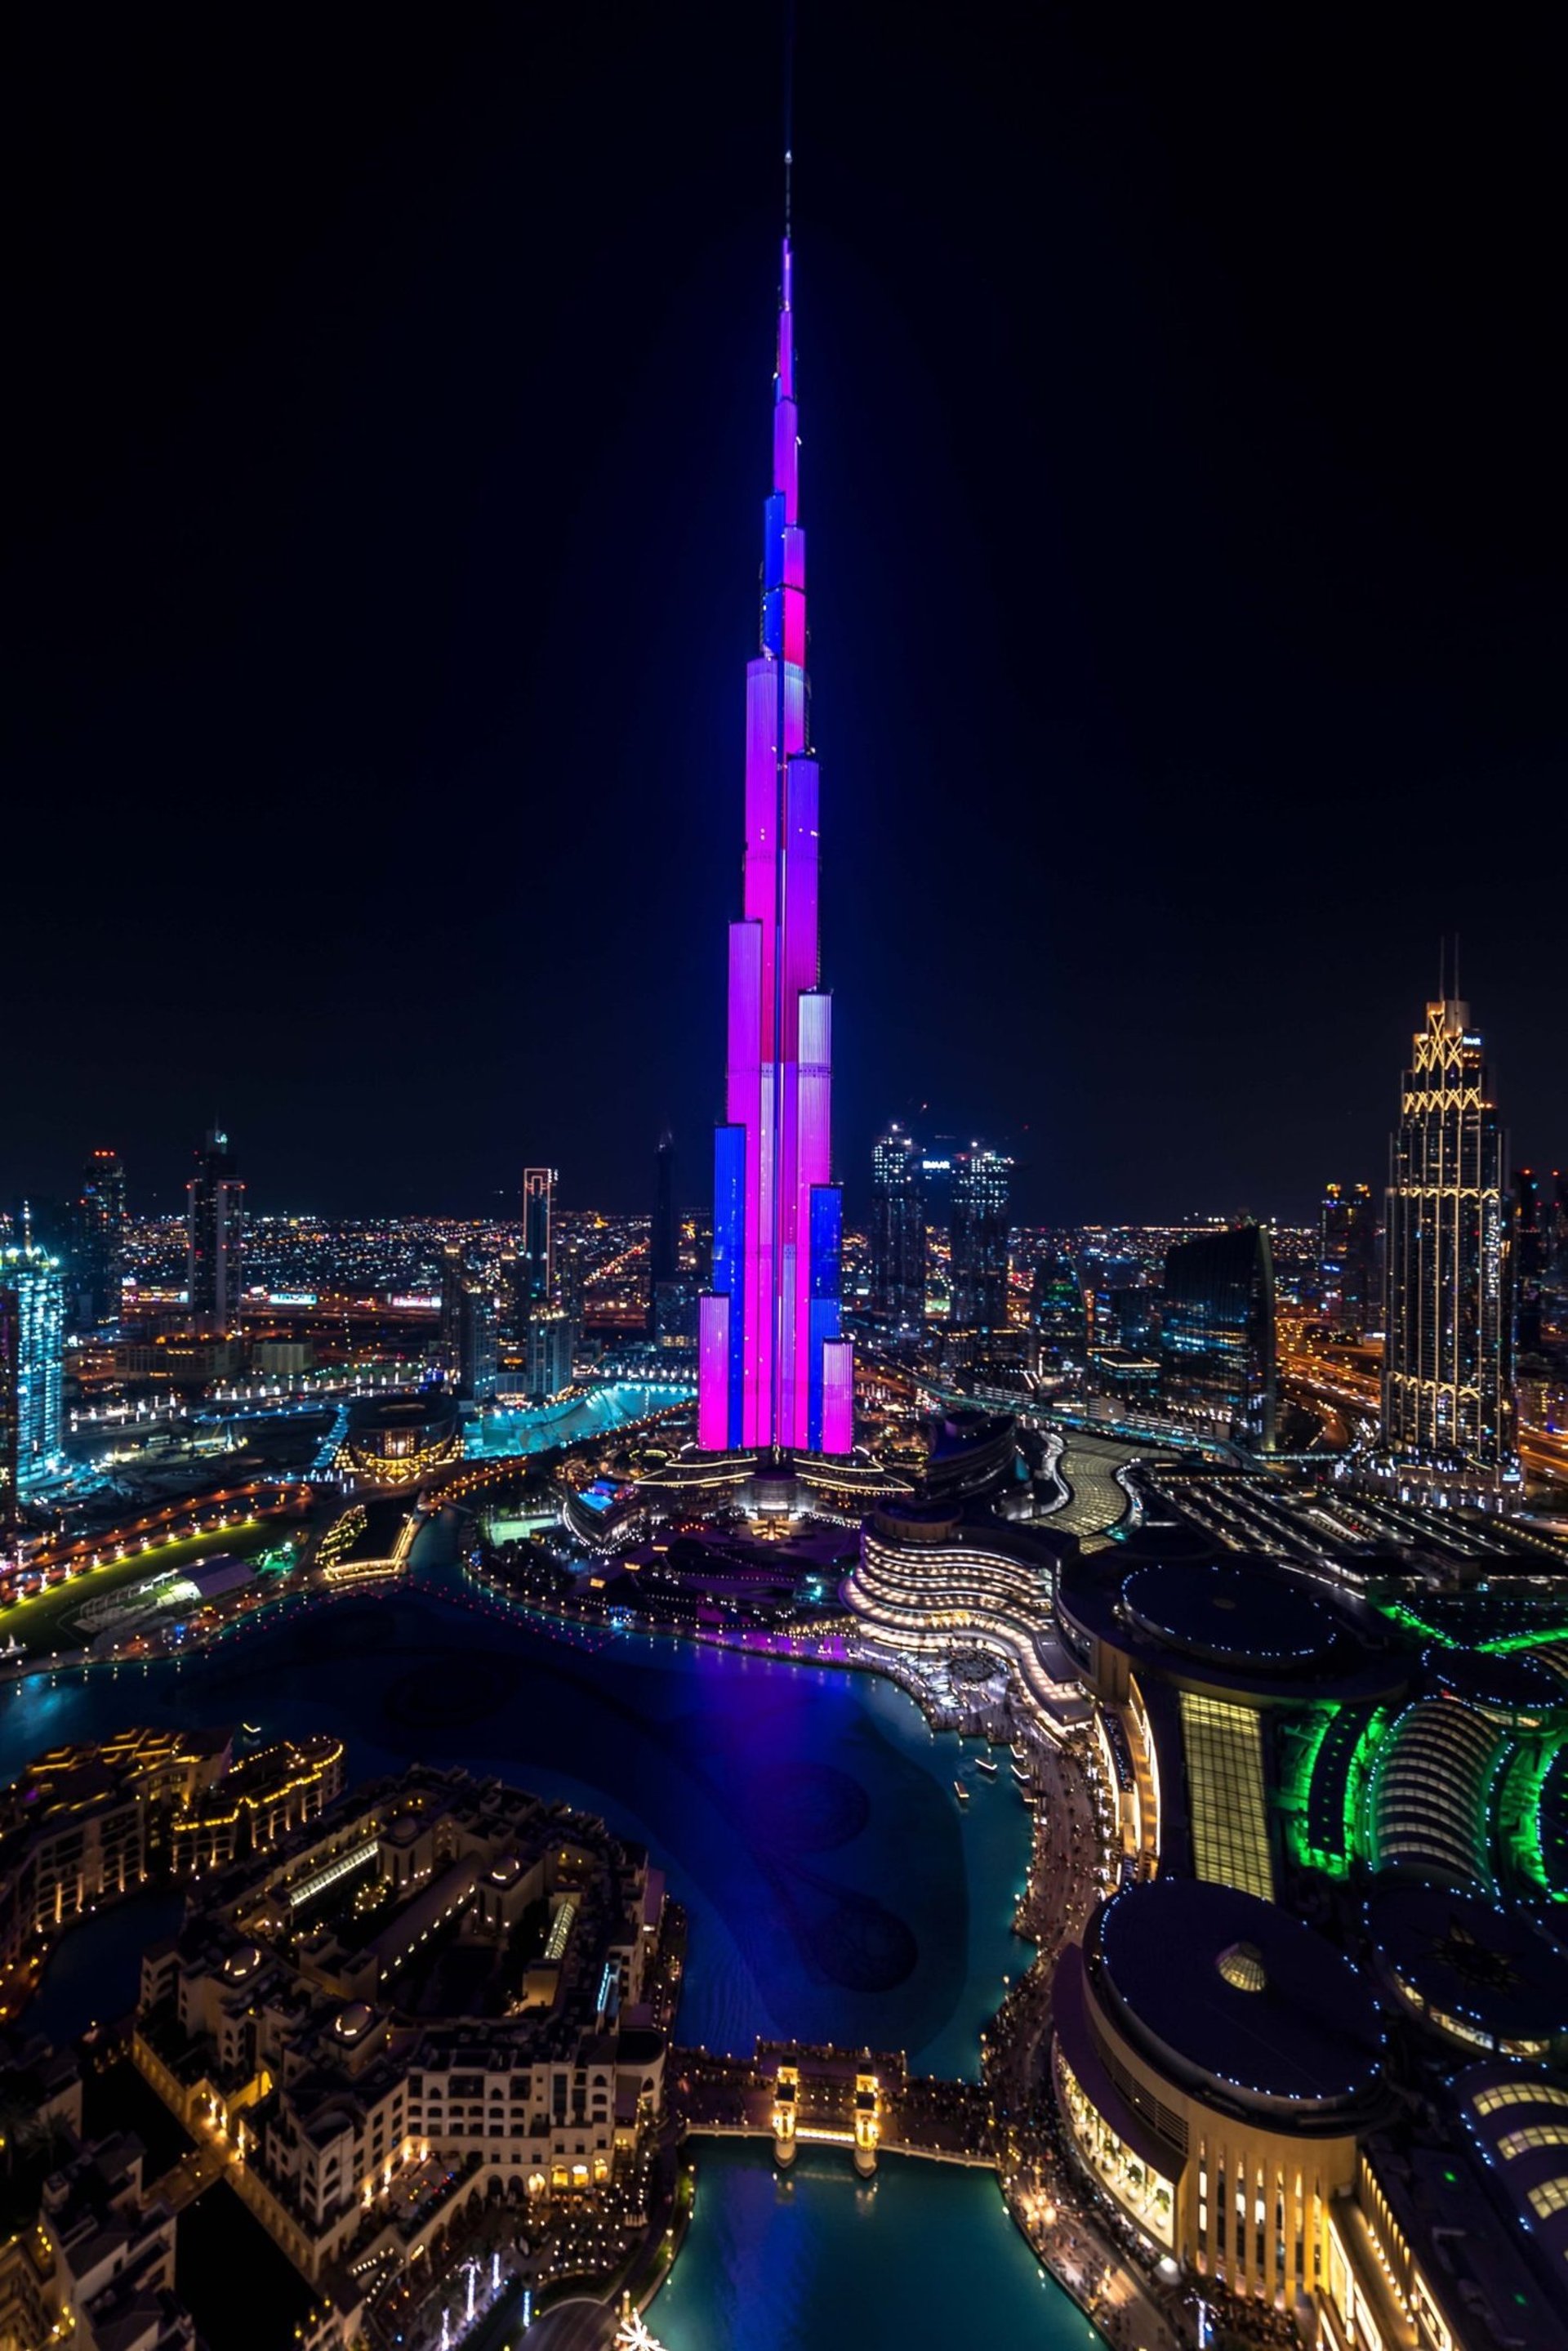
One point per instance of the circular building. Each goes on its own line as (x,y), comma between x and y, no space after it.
(1517,1691)
(1230,1617)
(393,1440)
(1215,2061)
(1481,1975)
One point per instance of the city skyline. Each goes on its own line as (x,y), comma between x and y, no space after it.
(1012,1610)
(1165,392)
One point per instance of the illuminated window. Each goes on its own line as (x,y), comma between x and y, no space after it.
(1535,2135)
(1518,2094)
(1223,1745)
(1552,2196)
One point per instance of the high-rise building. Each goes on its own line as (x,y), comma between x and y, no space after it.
(1348,1293)
(469,1338)
(773,1371)
(979,1260)
(1448,1363)
(898,1232)
(32,1345)
(1554,1252)
(214,1234)
(1057,1308)
(1528,1253)
(538,1257)
(551,1345)
(671,1291)
(1216,1335)
(100,1254)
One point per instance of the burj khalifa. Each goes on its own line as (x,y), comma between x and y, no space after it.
(774,1373)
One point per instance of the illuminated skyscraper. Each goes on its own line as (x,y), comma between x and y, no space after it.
(538,1267)
(32,1342)
(100,1256)
(1447,1368)
(773,1371)
(214,1234)
(898,1232)
(1348,1287)
(1527,1261)
(980,1194)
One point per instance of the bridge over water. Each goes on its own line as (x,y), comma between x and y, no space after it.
(801,2093)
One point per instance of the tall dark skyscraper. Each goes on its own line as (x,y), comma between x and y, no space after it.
(1448,1363)
(981,1190)
(215,1234)
(1216,1333)
(1056,1306)
(98,1262)
(538,1254)
(671,1294)
(1528,1253)
(898,1232)
(1348,1293)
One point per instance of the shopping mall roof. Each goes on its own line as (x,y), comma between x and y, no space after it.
(1230,1995)
(1480,1972)
(1230,1615)
(1516,2118)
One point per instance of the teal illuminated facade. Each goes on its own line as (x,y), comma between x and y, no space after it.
(32,1345)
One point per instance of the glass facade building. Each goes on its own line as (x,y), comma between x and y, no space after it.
(538,1266)
(1348,1292)
(1447,1360)
(32,1345)
(100,1254)
(1216,1335)
(981,1192)
(898,1232)
(215,1234)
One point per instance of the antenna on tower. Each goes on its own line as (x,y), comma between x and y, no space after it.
(1442,967)
(788,108)
(1455,966)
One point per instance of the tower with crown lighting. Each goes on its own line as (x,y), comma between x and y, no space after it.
(774,1375)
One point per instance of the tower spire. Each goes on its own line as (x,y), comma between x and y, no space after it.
(774,1375)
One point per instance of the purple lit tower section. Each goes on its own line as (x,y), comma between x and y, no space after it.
(773,1372)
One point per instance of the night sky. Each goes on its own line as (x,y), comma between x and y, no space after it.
(1183,416)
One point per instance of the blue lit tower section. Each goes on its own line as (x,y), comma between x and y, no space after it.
(32,1345)
(774,1373)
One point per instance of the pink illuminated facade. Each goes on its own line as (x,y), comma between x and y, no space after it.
(773,1372)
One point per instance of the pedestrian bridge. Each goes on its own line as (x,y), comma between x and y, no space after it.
(813,2095)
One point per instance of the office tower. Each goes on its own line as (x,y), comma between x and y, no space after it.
(898,1232)
(773,1371)
(1554,1251)
(477,1343)
(98,1264)
(215,1234)
(671,1290)
(32,1345)
(454,1280)
(1216,1335)
(936,1185)
(551,1345)
(469,1337)
(1527,1258)
(1448,1367)
(1056,1307)
(538,1259)
(1349,1297)
(978,1272)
